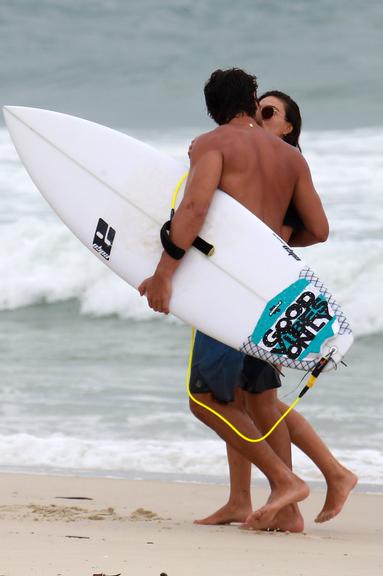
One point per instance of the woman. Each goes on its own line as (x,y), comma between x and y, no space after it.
(280,115)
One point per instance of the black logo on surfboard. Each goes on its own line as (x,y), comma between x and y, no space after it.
(302,321)
(103,238)
(289,251)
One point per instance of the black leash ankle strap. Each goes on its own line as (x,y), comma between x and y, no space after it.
(175,251)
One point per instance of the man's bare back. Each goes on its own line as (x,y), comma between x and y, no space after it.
(261,172)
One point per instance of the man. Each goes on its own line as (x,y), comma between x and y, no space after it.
(264,174)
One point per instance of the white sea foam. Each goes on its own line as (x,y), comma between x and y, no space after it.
(178,457)
(43,262)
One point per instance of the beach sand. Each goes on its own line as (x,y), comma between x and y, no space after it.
(80,526)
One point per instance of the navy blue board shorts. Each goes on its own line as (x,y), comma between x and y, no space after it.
(219,369)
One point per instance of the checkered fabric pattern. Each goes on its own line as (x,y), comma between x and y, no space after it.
(248,347)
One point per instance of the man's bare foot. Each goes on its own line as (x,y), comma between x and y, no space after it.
(338,490)
(288,520)
(289,493)
(227,514)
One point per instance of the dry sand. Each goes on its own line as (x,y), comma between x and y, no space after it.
(74,526)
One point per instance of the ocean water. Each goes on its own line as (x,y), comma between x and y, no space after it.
(90,379)
(146,62)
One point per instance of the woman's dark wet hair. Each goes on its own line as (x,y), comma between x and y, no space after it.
(230,92)
(292,115)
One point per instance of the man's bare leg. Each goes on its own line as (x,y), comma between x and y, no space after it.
(340,481)
(264,410)
(286,487)
(238,507)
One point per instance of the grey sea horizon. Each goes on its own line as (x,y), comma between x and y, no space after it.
(144,64)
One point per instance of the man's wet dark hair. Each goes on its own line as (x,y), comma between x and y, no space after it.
(292,115)
(230,92)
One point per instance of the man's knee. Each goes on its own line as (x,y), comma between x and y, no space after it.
(197,410)
(262,403)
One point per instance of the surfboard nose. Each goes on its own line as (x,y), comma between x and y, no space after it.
(24,113)
(7,110)
(10,112)
(11,109)
(16,110)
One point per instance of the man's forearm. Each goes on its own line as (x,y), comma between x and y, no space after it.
(185,226)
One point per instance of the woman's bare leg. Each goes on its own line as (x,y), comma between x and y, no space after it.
(340,481)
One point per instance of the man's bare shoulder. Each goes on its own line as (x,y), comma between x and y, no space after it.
(212,136)
(207,141)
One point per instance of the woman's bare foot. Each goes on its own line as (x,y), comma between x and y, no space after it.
(227,514)
(290,492)
(338,490)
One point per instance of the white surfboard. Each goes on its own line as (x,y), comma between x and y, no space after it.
(114,192)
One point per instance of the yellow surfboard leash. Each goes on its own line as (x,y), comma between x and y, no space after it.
(238,432)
